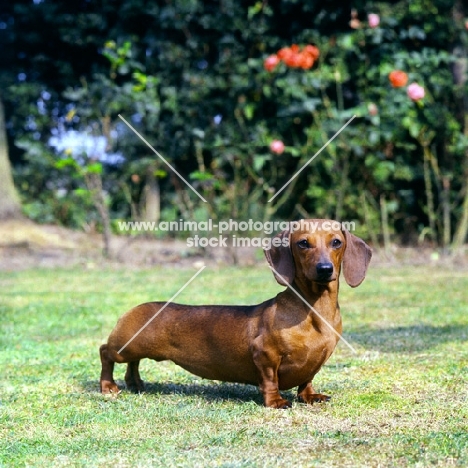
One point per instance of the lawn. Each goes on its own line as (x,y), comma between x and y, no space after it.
(401,400)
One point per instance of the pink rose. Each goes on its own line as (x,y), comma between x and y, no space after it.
(277,146)
(271,62)
(374,20)
(415,92)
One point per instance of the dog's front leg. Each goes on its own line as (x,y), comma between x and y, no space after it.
(270,391)
(132,378)
(267,365)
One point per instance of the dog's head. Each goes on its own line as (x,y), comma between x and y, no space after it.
(315,249)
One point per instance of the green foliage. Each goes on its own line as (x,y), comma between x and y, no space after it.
(191,79)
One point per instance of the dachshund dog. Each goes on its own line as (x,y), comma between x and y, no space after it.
(277,345)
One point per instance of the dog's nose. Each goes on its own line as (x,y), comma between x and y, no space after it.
(324,270)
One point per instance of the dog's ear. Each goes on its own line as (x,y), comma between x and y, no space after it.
(355,259)
(281,259)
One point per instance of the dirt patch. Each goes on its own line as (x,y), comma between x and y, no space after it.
(24,244)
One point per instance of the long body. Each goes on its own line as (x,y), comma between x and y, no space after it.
(278,344)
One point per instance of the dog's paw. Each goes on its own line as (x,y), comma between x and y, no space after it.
(136,386)
(279,403)
(108,387)
(314,398)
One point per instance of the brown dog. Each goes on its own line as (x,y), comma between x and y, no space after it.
(277,345)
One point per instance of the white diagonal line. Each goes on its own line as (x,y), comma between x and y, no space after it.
(160,157)
(312,158)
(314,311)
(161,309)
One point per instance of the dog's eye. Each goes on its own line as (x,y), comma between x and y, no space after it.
(303,244)
(336,243)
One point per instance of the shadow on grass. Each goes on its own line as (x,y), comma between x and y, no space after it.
(411,339)
(210,391)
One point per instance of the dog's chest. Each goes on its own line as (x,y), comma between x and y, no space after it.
(303,353)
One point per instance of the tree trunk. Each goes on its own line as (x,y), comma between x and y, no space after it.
(341,192)
(447,229)
(460,76)
(462,229)
(94,184)
(385,227)
(152,196)
(429,195)
(10,207)
(461,233)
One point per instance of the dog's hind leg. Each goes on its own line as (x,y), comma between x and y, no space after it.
(107,383)
(132,377)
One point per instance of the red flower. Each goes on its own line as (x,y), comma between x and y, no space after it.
(306,61)
(293,60)
(294,57)
(290,55)
(313,51)
(271,62)
(284,52)
(398,78)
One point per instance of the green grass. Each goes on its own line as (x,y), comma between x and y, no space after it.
(402,400)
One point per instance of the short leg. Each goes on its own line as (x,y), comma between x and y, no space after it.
(306,394)
(107,383)
(271,395)
(268,372)
(132,378)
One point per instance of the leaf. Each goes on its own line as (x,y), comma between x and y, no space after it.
(311,104)
(254,10)
(124,69)
(414,129)
(293,151)
(62,163)
(249,111)
(346,41)
(140,77)
(81,192)
(374,137)
(94,168)
(199,175)
(160,173)
(70,114)
(267,91)
(383,171)
(259,161)
(315,191)
(198,132)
